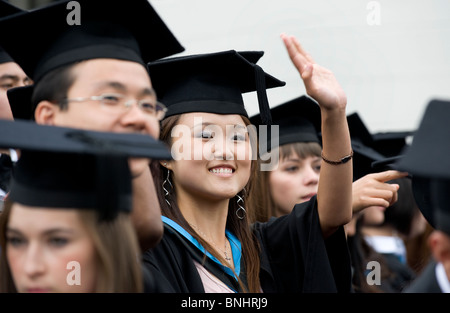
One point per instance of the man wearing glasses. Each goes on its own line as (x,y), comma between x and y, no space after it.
(93,76)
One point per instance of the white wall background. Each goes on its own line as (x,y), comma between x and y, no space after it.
(389,71)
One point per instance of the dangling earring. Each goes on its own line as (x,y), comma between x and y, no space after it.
(166,191)
(240,212)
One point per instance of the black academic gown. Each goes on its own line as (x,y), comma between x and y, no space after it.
(426,282)
(294,258)
(6,166)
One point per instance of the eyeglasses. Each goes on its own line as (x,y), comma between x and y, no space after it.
(117,103)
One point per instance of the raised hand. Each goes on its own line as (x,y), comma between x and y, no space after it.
(320,82)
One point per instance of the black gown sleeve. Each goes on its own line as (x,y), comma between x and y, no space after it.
(171,266)
(296,258)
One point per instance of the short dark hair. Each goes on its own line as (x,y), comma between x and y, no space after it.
(54,86)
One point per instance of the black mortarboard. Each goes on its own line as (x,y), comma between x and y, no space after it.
(42,39)
(427,154)
(363,152)
(358,129)
(5,10)
(426,160)
(212,83)
(19,99)
(387,163)
(391,143)
(299,120)
(72,168)
(252,56)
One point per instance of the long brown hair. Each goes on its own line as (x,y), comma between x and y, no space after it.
(117,249)
(240,228)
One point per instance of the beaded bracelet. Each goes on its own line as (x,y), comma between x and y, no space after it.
(341,161)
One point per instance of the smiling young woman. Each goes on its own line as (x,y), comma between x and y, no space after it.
(209,243)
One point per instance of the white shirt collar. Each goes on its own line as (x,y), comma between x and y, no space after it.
(442,278)
(386,244)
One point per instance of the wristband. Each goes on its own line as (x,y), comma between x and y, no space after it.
(341,161)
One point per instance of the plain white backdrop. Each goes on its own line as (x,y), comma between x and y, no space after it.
(391,56)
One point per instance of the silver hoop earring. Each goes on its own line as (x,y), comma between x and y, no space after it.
(240,212)
(166,191)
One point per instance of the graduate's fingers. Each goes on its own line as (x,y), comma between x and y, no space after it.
(378,202)
(388,192)
(299,47)
(395,195)
(299,61)
(389,175)
(368,191)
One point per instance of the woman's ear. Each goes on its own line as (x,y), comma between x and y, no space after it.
(45,113)
(439,244)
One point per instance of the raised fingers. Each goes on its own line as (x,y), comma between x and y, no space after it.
(299,60)
(299,47)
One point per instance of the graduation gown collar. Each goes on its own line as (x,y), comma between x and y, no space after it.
(234,243)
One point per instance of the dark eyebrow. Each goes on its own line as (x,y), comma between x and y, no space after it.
(12,230)
(203,124)
(298,159)
(122,88)
(148,92)
(9,76)
(209,124)
(114,85)
(291,159)
(240,126)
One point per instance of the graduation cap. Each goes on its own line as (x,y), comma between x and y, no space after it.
(358,129)
(392,143)
(211,83)
(45,38)
(426,160)
(252,56)
(299,120)
(63,167)
(19,99)
(388,163)
(364,155)
(5,10)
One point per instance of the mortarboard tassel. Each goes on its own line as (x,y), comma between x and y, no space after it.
(109,182)
(264,108)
